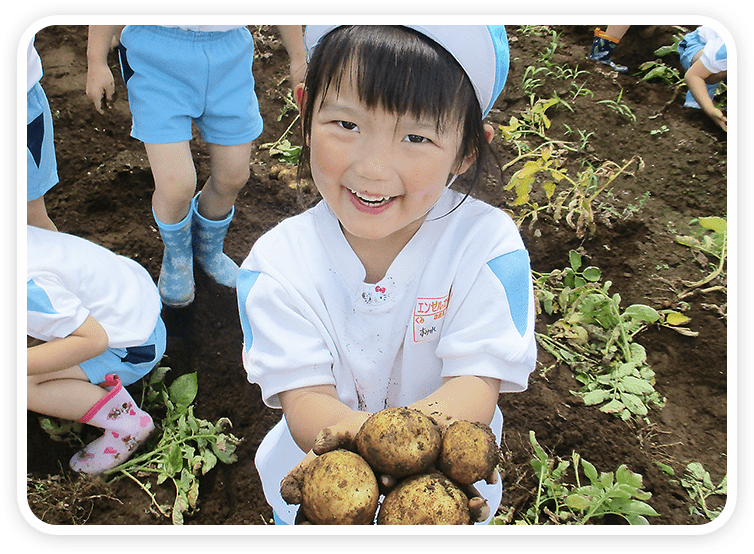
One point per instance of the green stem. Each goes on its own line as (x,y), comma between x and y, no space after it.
(155,452)
(146,490)
(279,140)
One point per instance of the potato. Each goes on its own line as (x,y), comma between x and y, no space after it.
(399,441)
(339,489)
(427,499)
(469,452)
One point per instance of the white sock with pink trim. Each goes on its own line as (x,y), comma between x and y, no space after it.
(126,427)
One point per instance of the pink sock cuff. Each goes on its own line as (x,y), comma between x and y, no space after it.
(111,380)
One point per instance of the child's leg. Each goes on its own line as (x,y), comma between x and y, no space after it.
(229,172)
(69,394)
(36,214)
(175,183)
(213,210)
(174,180)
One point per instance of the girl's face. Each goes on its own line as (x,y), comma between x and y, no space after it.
(380,174)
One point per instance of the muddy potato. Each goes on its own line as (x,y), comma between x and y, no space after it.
(427,499)
(339,489)
(399,441)
(469,452)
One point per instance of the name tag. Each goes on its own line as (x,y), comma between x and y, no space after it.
(428,315)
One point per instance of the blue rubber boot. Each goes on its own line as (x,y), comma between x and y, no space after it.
(208,238)
(176,282)
(602,49)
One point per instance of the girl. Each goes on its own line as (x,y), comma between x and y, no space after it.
(177,75)
(394,290)
(95,327)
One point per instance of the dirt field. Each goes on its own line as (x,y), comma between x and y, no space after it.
(105,191)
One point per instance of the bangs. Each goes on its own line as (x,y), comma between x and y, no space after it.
(397,69)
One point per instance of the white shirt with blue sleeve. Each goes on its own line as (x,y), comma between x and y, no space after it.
(457,300)
(714,55)
(69,278)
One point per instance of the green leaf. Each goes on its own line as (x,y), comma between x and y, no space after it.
(538,450)
(613,407)
(578,502)
(590,471)
(642,508)
(183,390)
(596,397)
(574,259)
(592,274)
(642,313)
(636,519)
(714,223)
(625,476)
(633,403)
(174,462)
(549,187)
(676,318)
(634,385)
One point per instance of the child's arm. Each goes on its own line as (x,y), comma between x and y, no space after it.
(99,78)
(293,40)
(310,410)
(86,342)
(466,397)
(696,79)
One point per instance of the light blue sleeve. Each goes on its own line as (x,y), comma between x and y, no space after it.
(244,283)
(512,270)
(37,299)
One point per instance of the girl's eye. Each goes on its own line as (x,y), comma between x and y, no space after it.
(348,125)
(417,139)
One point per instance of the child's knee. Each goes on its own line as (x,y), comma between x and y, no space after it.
(230,179)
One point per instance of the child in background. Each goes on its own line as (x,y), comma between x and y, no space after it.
(395,290)
(41,165)
(176,76)
(705,59)
(94,319)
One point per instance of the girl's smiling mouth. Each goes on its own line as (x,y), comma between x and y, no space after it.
(366,202)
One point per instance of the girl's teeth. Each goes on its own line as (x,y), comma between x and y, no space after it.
(370,199)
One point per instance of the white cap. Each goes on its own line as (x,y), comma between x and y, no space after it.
(481,50)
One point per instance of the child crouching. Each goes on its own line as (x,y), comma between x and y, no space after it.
(96,320)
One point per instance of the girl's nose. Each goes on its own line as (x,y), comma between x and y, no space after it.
(373,163)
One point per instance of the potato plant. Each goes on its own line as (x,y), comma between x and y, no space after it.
(602,494)
(187,446)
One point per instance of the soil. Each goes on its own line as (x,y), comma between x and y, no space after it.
(105,191)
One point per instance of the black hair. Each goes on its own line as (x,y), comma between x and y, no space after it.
(402,71)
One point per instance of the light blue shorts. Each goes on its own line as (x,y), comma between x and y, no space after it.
(688,47)
(41,164)
(176,76)
(131,363)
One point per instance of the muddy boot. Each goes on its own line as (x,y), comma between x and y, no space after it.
(176,282)
(208,238)
(126,427)
(602,48)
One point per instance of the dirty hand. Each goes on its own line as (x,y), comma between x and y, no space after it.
(100,86)
(719,118)
(340,435)
(479,510)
